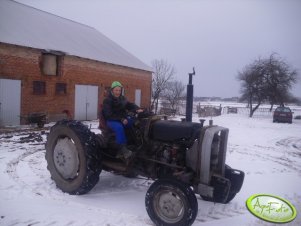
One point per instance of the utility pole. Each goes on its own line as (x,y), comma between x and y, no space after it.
(189,98)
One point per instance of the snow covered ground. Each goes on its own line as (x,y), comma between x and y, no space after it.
(269,153)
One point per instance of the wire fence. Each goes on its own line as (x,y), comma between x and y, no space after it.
(215,109)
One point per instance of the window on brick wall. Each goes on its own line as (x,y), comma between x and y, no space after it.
(39,87)
(60,88)
(50,64)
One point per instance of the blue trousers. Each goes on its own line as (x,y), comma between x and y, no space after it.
(118,129)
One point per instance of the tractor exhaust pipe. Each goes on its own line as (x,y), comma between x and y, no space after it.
(189,98)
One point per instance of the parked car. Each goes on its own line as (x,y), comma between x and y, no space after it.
(283,114)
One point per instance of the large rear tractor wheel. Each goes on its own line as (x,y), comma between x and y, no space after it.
(73,157)
(171,203)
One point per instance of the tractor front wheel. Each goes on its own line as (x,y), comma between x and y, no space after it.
(171,203)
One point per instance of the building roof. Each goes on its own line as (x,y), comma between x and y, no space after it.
(26,26)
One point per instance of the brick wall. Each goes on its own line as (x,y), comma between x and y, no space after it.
(25,64)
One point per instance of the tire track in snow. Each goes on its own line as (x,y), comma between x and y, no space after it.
(209,211)
(285,152)
(12,166)
(28,168)
(293,144)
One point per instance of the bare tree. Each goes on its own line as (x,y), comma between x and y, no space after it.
(163,73)
(267,80)
(279,78)
(174,93)
(252,85)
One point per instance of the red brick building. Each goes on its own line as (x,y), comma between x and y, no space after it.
(51,64)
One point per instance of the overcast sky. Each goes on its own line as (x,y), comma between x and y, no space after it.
(217,37)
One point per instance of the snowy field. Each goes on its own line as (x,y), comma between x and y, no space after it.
(269,154)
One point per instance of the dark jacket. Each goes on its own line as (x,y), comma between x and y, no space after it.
(116,108)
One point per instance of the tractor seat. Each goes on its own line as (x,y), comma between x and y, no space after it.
(174,130)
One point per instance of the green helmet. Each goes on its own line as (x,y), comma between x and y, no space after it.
(115,84)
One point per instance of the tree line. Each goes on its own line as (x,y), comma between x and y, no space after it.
(265,80)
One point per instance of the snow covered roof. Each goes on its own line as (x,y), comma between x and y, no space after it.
(26,26)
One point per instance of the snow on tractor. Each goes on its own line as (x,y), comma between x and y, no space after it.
(183,158)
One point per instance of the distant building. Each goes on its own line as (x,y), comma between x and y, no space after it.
(54,65)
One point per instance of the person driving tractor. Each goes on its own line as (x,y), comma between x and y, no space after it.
(115,107)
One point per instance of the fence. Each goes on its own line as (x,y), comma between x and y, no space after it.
(261,111)
(215,109)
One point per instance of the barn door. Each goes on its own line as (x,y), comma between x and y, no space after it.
(86,101)
(10,102)
(138,97)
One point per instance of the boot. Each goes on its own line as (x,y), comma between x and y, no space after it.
(124,152)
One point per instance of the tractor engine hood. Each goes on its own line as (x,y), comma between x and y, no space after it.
(171,131)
